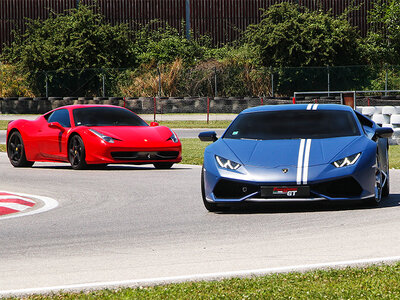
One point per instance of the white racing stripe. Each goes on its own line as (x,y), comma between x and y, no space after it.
(304,156)
(306,161)
(197,277)
(300,161)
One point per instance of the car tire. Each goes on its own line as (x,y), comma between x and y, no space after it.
(386,187)
(76,153)
(376,200)
(16,151)
(211,207)
(163,165)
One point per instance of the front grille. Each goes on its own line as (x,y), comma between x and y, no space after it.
(156,155)
(341,188)
(227,189)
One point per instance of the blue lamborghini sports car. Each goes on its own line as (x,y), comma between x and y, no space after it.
(299,152)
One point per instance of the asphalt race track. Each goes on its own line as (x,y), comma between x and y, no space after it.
(135,222)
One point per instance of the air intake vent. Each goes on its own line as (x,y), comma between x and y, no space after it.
(159,155)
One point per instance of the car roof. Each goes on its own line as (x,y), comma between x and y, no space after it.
(74,106)
(286,107)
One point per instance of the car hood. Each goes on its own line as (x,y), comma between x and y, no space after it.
(136,133)
(278,153)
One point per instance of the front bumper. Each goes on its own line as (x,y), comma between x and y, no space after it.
(326,183)
(119,153)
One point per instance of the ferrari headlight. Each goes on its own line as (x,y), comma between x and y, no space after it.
(347,161)
(226,163)
(173,137)
(104,137)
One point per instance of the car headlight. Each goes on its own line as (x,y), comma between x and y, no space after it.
(173,137)
(226,163)
(347,161)
(104,137)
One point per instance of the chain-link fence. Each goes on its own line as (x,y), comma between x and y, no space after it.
(208,79)
(215,81)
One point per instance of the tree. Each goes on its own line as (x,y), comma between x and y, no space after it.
(64,46)
(383,40)
(166,44)
(75,40)
(291,36)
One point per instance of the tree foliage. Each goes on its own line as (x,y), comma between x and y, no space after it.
(291,36)
(166,44)
(76,40)
(383,40)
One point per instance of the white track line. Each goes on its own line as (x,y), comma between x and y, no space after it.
(49,203)
(14,206)
(208,277)
(14,196)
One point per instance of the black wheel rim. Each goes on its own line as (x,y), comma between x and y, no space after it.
(75,152)
(15,148)
(378,182)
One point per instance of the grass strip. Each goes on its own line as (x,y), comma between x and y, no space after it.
(394,156)
(193,151)
(3,124)
(373,282)
(195,124)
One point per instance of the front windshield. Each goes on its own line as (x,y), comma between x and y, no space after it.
(106,116)
(293,124)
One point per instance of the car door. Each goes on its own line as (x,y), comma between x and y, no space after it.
(54,134)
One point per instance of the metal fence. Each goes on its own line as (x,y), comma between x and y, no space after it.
(204,80)
(223,20)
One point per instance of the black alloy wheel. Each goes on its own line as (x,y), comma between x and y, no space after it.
(76,153)
(378,188)
(16,151)
(386,185)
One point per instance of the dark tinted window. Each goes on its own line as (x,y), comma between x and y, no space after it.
(106,116)
(61,116)
(293,124)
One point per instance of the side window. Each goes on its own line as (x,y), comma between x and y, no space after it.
(367,125)
(61,116)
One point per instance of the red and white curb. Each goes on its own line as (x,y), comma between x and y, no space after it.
(13,205)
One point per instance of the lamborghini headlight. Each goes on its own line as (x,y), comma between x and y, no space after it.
(226,163)
(104,137)
(347,161)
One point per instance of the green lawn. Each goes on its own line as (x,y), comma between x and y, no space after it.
(394,156)
(193,150)
(195,124)
(375,282)
(3,124)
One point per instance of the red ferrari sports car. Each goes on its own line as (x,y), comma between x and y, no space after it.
(91,135)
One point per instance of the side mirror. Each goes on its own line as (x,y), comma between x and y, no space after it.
(383,132)
(154,124)
(56,125)
(208,136)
